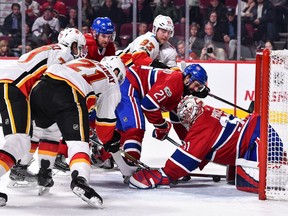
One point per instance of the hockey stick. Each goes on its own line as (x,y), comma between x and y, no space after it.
(137,162)
(215,177)
(249,110)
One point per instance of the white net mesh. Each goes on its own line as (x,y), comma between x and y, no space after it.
(277,168)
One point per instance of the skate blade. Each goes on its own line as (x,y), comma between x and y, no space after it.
(94,201)
(21,184)
(2,202)
(43,190)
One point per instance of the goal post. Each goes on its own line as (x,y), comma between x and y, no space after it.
(271,102)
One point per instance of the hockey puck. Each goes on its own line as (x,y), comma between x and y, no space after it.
(216,178)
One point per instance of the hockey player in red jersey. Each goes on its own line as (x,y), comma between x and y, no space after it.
(212,135)
(65,96)
(150,91)
(100,40)
(16,81)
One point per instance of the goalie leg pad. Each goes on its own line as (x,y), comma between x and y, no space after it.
(247,175)
(149,179)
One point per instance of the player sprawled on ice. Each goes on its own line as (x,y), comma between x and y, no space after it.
(16,81)
(65,95)
(212,135)
(148,92)
(153,48)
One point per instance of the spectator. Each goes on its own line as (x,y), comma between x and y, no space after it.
(72,18)
(195,42)
(85,28)
(32,10)
(211,52)
(57,5)
(195,14)
(281,11)
(12,23)
(34,41)
(166,8)
(246,20)
(46,28)
(269,45)
(231,38)
(88,12)
(211,36)
(181,52)
(142,28)
(5,49)
(264,21)
(144,12)
(219,8)
(63,20)
(110,9)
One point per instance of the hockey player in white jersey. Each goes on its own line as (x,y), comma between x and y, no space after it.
(153,48)
(65,96)
(16,81)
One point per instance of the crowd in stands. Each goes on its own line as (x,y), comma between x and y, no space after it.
(213,23)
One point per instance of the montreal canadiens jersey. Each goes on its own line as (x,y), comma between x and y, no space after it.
(89,78)
(161,90)
(30,66)
(142,51)
(93,50)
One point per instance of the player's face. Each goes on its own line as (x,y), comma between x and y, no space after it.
(103,40)
(74,49)
(163,35)
(193,86)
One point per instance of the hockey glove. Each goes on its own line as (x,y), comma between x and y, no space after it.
(161,131)
(114,144)
(157,64)
(202,93)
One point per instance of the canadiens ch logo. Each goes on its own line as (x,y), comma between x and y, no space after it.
(75,127)
(168,91)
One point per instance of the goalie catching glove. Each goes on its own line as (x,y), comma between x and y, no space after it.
(161,131)
(114,144)
(202,93)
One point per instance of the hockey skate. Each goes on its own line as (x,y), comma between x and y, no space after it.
(61,164)
(96,159)
(21,177)
(80,187)
(45,180)
(3,199)
(149,179)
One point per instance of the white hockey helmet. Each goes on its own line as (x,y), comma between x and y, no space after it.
(115,65)
(70,35)
(163,22)
(189,109)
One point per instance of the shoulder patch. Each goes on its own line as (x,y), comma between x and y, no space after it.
(168,91)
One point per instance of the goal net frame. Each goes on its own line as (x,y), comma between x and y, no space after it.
(270,65)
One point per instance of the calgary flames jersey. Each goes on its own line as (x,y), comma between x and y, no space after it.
(90,78)
(30,66)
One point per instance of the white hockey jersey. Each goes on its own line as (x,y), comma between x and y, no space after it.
(90,77)
(167,55)
(30,66)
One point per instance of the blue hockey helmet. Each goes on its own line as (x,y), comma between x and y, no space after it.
(103,25)
(196,72)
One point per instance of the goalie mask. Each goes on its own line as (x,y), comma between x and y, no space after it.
(189,109)
(115,65)
(68,36)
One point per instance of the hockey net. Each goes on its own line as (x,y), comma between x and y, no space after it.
(271,101)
